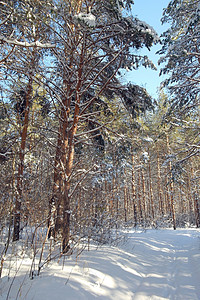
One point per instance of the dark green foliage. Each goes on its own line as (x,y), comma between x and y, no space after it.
(136,99)
(20,103)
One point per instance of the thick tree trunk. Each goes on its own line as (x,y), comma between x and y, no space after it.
(60,201)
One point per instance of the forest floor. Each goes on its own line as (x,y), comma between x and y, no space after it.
(151,264)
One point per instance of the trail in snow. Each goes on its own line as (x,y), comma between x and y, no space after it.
(171,265)
(156,264)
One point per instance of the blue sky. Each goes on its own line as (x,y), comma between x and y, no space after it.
(149,11)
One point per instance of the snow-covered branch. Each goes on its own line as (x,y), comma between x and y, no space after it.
(26,44)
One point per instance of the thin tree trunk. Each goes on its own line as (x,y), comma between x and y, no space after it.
(151,190)
(134,192)
(18,200)
(166,191)
(159,184)
(54,201)
(143,194)
(139,198)
(125,203)
(171,187)
(195,199)
(189,197)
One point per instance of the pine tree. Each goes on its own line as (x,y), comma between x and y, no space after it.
(96,42)
(181,53)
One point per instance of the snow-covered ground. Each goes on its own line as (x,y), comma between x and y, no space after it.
(151,264)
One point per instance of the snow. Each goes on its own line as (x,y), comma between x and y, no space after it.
(148,139)
(152,264)
(25,44)
(145,156)
(88,19)
(146,28)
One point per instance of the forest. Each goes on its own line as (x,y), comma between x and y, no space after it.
(82,154)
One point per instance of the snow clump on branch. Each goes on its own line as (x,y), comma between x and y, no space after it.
(146,28)
(89,19)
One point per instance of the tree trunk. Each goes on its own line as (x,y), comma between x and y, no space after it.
(143,194)
(151,190)
(195,199)
(159,184)
(134,192)
(18,200)
(64,163)
(139,198)
(54,203)
(171,189)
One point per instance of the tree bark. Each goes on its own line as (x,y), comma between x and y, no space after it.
(171,188)
(18,200)
(134,192)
